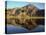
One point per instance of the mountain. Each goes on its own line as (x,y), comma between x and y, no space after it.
(41,12)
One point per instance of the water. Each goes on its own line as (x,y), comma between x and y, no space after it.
(18,29)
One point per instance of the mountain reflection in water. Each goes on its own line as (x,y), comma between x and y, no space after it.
(18,29)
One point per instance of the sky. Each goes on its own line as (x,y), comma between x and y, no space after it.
(14,4)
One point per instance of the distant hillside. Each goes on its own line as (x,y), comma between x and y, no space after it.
(41,12)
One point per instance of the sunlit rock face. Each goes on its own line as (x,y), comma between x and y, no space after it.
(22,16)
